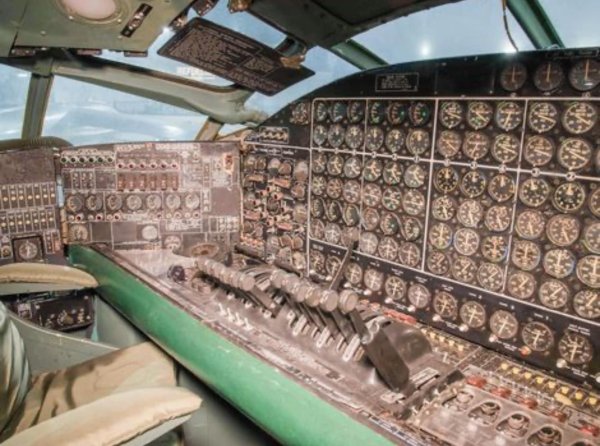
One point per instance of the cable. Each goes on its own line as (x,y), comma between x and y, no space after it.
(505,20)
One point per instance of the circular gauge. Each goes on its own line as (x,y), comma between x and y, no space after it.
(273,166)
(470,213)
(301,171)
(150,233)
(525,255)
(451,114)
(250,162)
(300,214)
(353,273)
(538,150)
(419,113)
(395,287)
(352,167)
(78,233)
(93,203)
(418,141)
(154,202)
(392,173)
(370,219)
(537,336)
(585,75)
(446,179)
(466,241)
(419,296)
(554,294)
(335,135)
(464,269)
(409,254)
(321,111)
(445,305)
(373,170)
(114,203)
(319,135)
(513,76)
(502,188)
(413,202)
(448,143)
(374,139)
(318,185)
(579,117)
(261,163)
(411,229)
(521,285)
(368,243)
(575,153)
(506,148)
(534,192)
(594,202)
(74,203)
(473,184)
(354,137)
(373,279)
(479,114)
(559,263)
(389,224)
(569,197)
(494,248)
(438,263)
(414,176)
(388,249)
(509,116)
(335,165)
(356,111)
(332,265)
(191,201)
(473,314)
(371,195)
(588,271)
(394,140)
(29,251)
(440,235)
(319,163)
(317,229)
(377,112)
(563,230)
(548,76)
(490,276)
(504,325)
(591,237)
(317,207)
(300,113)
(530,224)
(443,208)
(351,215)
(575,348)
(333,211)
(391,198)
(334,188)
(134,202)
(498,218)
(396,113)
(543,117)
(351,191)
(586,303)
(333,233)
(317,261)
(337,111)
(476,145)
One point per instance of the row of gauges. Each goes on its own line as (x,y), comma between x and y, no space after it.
(77,203)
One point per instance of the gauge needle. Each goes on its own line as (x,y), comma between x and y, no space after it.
(546,118)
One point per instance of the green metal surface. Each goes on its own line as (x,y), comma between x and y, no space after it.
(359,56)
(289,412)
(535,22)
(37,103)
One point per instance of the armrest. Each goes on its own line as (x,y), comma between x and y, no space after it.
(114,420)
(20,278)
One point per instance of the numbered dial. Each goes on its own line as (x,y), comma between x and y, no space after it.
(337,111)
(374,139)
(559,263)
(534,192)
(470,213)
(419,296)
(521,285)
(114,203)
(502,188)
(368,243)
(494,248)
(466,241)
(446,179)
(586,303)
(353,273)
(373,170)
(504,325)
(352,167)
(449,143)
(318,185)
(413,202)
(28,251)
(579,118)
(371,195)
(392,173)
(548,76)
(451,114)
(554,294)
(473,184)
(319,163)
(438,263)
(594,203)
(419,113)
(440,236)
(332,266)
(354,137)
(333,233)
(415,176)
(575,153)
(530,224)
(569,197)
(509,116)
(588,271)
(334,188)
(373,279)
(464,269)
(377,112)
(543,117)
(351,215)
(391,198)
(74,203)
(389,224)
(526,255)
(356,112)
(335,165)
(409,254)
(443,208)
(585,75)
(445,305)
(490,276)
(591,237)
(134,202)
(506,148)
(537,336)
(539,151)
(388,249)
(394,140)
(513,76)
(335,135)
(411,229)
(473,314)
(479,115)
(397,112)
(498,218)
(563,230)
(418,141)
(476,145)
(395,287)
(351,191)
(575,348)
(321,111)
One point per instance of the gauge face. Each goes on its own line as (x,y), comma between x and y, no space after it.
(543,117)
(494,248)
(78,233)
(509,116)
(373,170)
(449,143)
(534,192)
(414,176)
(317,208)
(300,214)
(473,314)
(464,269)
(575,348)
(377,112)
(563,230)
(356,111)
(191,201)
(319,163)
(498,218)
(579,118)
(506,148)
(389,224)
(395,287)
(337,111)
(554,294)
(559,263)
(394,140)
(526,255)
(368,243)
(504,324)
(321,111)
(586,303)
(388,249)
(413,202)
(419,113)
(319,135)
(134,202)
(351,215)
(352,167)
(445,305)
(317,229)
(591,237)
(548,76)
(28,250)
(538,150)
(466,241)
(479,114)
(351,191)
(371,195)
(521,285)
(335,135)
(391,198)
(490,276)
(440,235)
(397,113)
(317,261)
(446,179)
(418,141)
(473,184)
(334,188)
(354,137)
(451,114)
(154,202)
(373,279)
(333,233)
(74,203)
(513,76)
(530,224)
(537,336)
(93,203)
(588,271)
(409,254)
(301,113)
(370,219)
(438,263)
(411,229)
(318,185)
(470,213)
(476,145)
(301,171)
(502,188)
(585,75)
(335,165)
(332,265)
(594,203)
(569,197)
(353,273)
(419,296)
(333,211)
(392,173)
(114,202)
(443,208)
(575,153)
(374,139)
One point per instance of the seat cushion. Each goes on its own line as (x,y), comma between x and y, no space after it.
(53,393)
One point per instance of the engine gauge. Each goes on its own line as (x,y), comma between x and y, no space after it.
(337,111)
(530,224)
(413,202)
(395,287)
(479,114)
(534,192)
(29,251)
(473,314)
(464,269)
(490,276)
(537,336)
(274,166)
(334,188)
(591,237)
(445,305)
(319,135)
(594,202)
(470,213)
(451,114)
(521,285)
(506,148)
(586,303)
(446,179)
(368,243)
(525,255)
(93,203)
(352,167)
(449,143)
(575,348)
(374,139)
(585,75)
(554,294)
(154,202)
(418,141)
(354,137)
(389,224)
(575,153)
(74,204)
(438,263)
(191,201)
(392,173)
(440,235)
(388,249)
(504,325)
(559,263)
(373,170)
(494,248)
(419,296)
(333,211)
(397,113)
(373,279)
(443,208)
(569,197)
(377,112)
(371,195)
(317,207)
(321,111)
(548,76)
(319,163)
(370,219)
(335,165)
(114,203)
(317,229)
(391,198)
(333,233)
(335,135)
(473,184)
(563,230)
(498,218)
(513,76)
(411,229)
(466,241)
(351,215)
(317,261)
(476,145)
(300,213)
(543,117)
(353,273)
(394,140)
(588,270)
(300,113)
(538,150)
(351,191)
(409,254)
(414,176)
(301,171)
(579,118)
(509,115)
(318,185)
(502,188)
(356,112)
(332,265)
(134,202)
(77,233)
(419,113)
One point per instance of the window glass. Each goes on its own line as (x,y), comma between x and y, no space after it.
(576,21)
(87,114)
(456,29)
(13,97)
